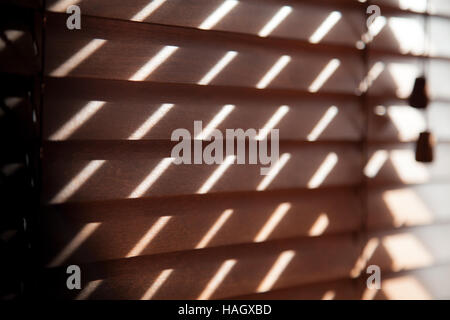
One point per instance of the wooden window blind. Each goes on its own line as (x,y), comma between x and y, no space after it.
(349,194)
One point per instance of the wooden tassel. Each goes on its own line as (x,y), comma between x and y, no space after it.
(425,147)
(419,96)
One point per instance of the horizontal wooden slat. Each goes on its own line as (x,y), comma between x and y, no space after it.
(117,179)
(336,290)
(148,207)
(304,262)
(118,120)
(205,220)
(198,52)
(247,16)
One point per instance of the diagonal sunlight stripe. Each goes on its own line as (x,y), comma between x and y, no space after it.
(214,229)
(375,163)
(218,118)
(372,75)
(218,14)
(87,290)
(273,172)
(151,178)
(77,182)
(323,123)
(323,171)
(157,284)
(62,5)
(149,236)
(78,58)
(147,10)
(229,160)
(273,121)
(218,278)
(153,63)
(77,120)
(275,21)
(211,74)
(324,75)
(319,225)
(151,121)
(273,72)
(273,221)
(275,272)
(325,27)
(365,256)
(73,245)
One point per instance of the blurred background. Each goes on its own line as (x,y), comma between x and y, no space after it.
(87,179)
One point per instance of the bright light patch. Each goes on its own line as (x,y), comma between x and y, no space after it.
(409,34)
(273,172)
(153,63)
(11,35)
(407,168)
(374,29)
(87,290)
(319,226)
(323,171)
(214,229)
(329,295)
(407,252)
(273,121)
(218,278)
(407,208)
(62,5)
(273,221)
(78,58)
(226,59)
(275,272)
(151,121)
(324,75)
(380,110)
(405,288)
(151,178)
(73,245)
(148,10)
(323,123)
(414,5)
(275,21)
(77,181)
(229,160)
(375,163)
(149,236)
(224,112)
(408,121)
(157,284)
(369,294)
(403,76)
(325,27)
(365,256)
(373,74)
(77,120)
(218,14)
(273,72)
